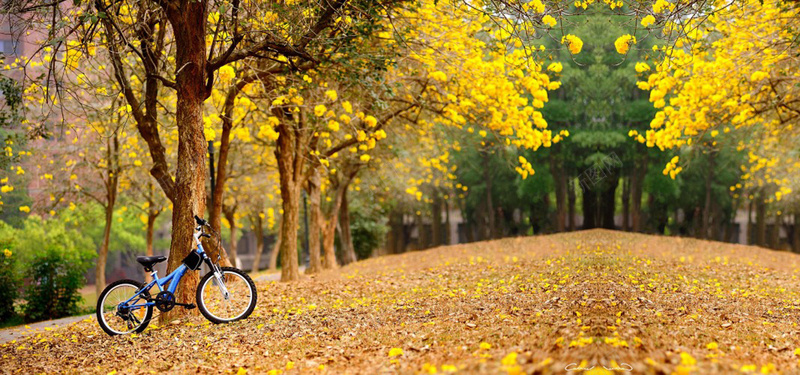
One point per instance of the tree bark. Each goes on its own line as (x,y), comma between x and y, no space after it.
(637,182)
(750,228)
(422,240)
(469,221)
(276,248)
(775,233)
(608,202)
(315,219)
(394,239)
(717,222)
(436,218)
(102,252)
(706,224)
(328,242)
(447,239)
(221,179)
(489,204)
(152,215)
(331,222)
(761,221)
(796,233)
(290,194)
(589,209)
(571,203)
(188,20)
(345,235)
(215,212)
(257,224)
(230,215)
(626,203)
(556,169)
(112,184)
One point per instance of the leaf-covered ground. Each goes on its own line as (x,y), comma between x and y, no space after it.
(593,299)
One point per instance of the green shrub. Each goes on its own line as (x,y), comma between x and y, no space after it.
(368,229)
(54,259)
(54,284)
(9,285)
(9,276)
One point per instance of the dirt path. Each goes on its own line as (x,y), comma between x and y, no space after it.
(16,333)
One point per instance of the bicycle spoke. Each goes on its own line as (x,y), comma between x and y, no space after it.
(125,320)
(237,302)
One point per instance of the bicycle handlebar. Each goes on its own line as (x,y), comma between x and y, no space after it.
(200,221)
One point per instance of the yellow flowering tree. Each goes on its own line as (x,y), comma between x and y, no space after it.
(730,73)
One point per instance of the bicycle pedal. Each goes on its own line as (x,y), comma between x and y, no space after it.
(190,306)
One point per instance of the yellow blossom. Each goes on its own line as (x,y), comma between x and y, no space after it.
(331,94)
(320,110)
(549,20)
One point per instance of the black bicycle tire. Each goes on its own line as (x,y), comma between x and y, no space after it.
(147,317)
(201,306)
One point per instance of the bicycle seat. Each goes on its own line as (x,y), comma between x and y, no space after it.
(148,262)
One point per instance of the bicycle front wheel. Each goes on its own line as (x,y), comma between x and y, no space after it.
(227,298)
(118,317)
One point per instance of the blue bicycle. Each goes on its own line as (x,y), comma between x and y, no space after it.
(225,294)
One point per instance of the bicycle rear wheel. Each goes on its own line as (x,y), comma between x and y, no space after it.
(219,307)
(119,318)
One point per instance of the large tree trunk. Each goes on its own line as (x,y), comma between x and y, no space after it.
(315,219)
(188,21)
(257,224)
(345,236)
(290,194)
(290,153)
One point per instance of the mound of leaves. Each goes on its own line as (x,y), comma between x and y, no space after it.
(607,301)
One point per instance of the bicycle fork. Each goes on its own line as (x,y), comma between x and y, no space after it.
(218,276)
(221,285)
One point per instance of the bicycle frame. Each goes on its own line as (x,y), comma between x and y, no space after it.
(173,279)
